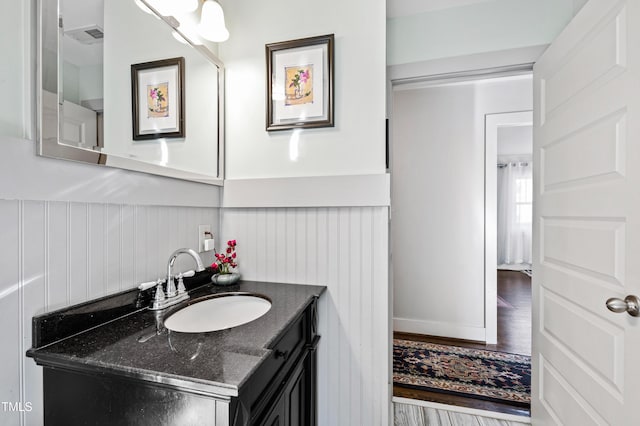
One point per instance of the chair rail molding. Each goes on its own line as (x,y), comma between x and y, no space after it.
(320,191)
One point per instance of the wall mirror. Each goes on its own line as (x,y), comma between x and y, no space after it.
(91,53)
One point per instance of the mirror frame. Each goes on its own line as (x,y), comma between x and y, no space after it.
(50,146)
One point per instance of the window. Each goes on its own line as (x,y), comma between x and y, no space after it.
(524,199)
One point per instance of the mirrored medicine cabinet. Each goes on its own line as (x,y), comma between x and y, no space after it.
(88,54)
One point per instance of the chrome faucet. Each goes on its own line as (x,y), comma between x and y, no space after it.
(171,287)
(173,295)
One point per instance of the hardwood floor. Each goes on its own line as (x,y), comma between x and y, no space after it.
(514,324)
(514,335)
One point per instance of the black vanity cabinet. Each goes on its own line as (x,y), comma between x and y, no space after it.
(264,374)
(287,397)
(293,405)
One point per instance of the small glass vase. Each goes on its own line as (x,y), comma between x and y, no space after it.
(225,279)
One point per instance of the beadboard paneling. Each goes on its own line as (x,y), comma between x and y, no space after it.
(346,250)
(56,253)
(10,318)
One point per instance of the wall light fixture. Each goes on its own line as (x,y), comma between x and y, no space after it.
(211,26)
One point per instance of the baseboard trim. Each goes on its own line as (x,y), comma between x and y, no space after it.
(463,410)
(440,329)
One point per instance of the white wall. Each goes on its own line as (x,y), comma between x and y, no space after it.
(70,231)
(515,142)
(438,202)
(133,36)
(71,83)
(82,83)
(340,237)
(90,84)
(476,28)
(356,144)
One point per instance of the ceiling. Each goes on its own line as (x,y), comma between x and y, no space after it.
(80,14)
(396,8)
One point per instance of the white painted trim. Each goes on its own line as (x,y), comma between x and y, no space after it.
(492,123)
(436,328)
(320,191)
(524,73)
(463,410)
(155,169)
(491,227)
(28,67)
(487,63)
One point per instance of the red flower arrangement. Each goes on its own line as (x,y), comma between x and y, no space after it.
(226,260)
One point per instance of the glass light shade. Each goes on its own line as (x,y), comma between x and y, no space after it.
(189,5)
(174,7)
(212,26)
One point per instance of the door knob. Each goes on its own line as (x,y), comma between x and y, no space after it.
(630,305)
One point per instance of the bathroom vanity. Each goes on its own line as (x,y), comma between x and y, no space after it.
(112,361)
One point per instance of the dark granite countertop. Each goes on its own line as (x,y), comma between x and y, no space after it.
(211,363)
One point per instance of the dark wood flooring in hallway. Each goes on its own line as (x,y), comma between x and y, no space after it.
(514,335)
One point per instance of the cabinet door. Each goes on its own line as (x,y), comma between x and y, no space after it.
(299,393)
(276,416)
(293,406)
(296,395)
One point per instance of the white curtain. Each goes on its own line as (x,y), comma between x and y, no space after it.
(515,193)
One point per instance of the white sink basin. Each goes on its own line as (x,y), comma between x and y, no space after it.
(218,313)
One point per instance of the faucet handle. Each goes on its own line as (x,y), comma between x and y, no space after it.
(188,274)
(147,285)
(159,297)
(181,287)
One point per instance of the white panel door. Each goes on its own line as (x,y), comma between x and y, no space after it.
(586,359)
(80,125)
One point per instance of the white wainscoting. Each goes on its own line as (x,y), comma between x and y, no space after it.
(345,249)
(55,254)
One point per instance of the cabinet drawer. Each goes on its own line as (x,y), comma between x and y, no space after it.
(284,353)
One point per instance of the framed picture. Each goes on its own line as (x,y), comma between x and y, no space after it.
(157,94)
(300,83)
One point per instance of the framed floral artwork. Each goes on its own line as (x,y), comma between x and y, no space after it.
(157,93)
(300,83)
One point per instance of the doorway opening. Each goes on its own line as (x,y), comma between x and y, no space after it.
(512,135)
(508,229)
(445,172)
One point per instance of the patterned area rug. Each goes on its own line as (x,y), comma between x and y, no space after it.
(476,373)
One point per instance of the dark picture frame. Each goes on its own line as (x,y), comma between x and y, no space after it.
(300,83)
(157,98)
